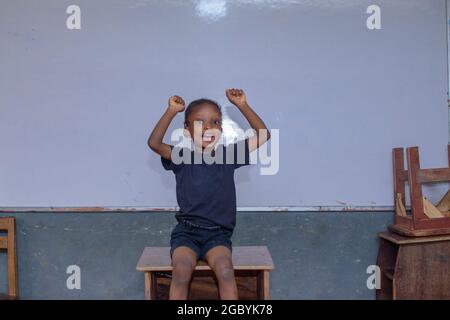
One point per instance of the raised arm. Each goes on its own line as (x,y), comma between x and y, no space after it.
(238,98)
(155,141)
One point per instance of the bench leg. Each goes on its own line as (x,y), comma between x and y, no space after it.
(150,285)
(263,285)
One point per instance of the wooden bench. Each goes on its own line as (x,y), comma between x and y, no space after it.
(8,243)
(252,267)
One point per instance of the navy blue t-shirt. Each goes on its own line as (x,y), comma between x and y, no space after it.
(206,192)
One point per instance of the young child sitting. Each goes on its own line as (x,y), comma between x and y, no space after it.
(205,190)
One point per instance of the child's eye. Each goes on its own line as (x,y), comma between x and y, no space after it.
(217,122)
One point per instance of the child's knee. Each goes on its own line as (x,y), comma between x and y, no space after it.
(182,272)
(225,270)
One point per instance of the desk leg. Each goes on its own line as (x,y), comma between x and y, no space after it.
(263,285)
(386,259)
(150,285)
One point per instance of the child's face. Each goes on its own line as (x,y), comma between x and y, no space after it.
(204,125)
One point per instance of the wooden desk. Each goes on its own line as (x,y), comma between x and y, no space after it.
(252,267)
(414,267)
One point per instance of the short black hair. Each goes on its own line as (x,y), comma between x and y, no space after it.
(198,102)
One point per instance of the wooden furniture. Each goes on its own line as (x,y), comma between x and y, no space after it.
(8,243)
(414,267)
(425,218)
(252,267)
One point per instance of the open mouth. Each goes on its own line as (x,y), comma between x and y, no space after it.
(208,137)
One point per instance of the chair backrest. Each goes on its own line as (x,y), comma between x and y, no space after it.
(8,243)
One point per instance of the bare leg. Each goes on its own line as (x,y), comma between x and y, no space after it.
(219,258)
(184,260)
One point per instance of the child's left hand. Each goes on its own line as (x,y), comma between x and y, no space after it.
(236,97)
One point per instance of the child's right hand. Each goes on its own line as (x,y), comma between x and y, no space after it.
(176,103)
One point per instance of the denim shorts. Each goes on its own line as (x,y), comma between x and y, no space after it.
(200,239)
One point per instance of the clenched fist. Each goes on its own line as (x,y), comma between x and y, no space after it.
(176,103)
(236,97)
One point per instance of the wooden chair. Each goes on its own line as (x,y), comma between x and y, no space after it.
(252,266)
(425,219)
(8,243)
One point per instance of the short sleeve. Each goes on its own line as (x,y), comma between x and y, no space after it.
(241,153)
(172,165)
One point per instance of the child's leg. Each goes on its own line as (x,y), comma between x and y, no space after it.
(184,260)
(219,258)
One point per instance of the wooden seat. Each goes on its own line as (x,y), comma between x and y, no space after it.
(252,265)
(8,243)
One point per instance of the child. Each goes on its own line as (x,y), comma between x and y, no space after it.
(205,191)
